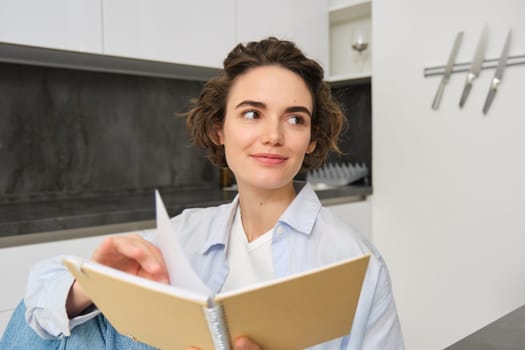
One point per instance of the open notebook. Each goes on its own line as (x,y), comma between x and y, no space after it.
(288,313)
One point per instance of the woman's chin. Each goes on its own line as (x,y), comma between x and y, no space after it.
(269,184)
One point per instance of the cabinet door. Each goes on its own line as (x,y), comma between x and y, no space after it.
(74,25)
(188,32)
(302,21)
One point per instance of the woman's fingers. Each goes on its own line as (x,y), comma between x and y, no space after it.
(134,255)
(244,343)
(138,249)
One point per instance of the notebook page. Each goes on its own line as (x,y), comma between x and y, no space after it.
(180,271)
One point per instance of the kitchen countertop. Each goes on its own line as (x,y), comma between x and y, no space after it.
(67,218)
(506,333)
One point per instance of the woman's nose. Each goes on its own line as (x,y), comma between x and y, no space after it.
(272,133)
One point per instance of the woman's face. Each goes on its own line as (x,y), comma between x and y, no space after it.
(267,127)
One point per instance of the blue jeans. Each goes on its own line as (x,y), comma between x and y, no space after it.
(95,334)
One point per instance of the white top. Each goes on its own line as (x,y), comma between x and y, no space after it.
(249,262)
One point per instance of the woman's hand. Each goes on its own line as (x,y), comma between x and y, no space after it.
(241,343)
(131,254)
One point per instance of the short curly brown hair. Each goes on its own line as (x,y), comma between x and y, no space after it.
(210,108)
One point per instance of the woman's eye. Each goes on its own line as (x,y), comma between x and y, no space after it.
(250,114)
(296,119)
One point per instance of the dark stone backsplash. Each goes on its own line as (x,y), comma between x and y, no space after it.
(72,132)
(356,142)
(83,149)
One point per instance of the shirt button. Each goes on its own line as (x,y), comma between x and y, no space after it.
(279,230)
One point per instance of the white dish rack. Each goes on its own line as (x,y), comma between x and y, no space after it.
(336,174)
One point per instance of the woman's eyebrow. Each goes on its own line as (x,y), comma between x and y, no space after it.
(251,103)
(295,109)
(261,105)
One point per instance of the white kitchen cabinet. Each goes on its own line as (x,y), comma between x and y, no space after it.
(186,32)
(74,25)
(305,22)
(350,22)
(157,37)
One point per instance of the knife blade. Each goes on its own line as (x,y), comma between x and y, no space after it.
(498,76)
(448,70)
(475,67)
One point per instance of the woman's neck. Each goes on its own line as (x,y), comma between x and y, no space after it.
(260,209)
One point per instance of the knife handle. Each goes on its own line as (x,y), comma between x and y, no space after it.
(439,94)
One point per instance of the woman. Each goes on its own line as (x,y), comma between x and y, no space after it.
(267,117)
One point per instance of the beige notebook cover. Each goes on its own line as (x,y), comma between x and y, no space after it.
(290,313)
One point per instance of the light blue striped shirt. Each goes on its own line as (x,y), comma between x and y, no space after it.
(306,236)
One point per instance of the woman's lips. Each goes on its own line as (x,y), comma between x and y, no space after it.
(269,159)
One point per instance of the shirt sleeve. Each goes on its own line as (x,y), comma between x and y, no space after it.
(383,329)
(47,289)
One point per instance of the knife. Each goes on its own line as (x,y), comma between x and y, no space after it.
(475,67)
(448,70)
(498,76)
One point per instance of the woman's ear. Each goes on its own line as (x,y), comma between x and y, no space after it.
(311,147)
(218,131)
(313,143)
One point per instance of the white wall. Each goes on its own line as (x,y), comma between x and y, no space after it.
(356,214)
(448,210)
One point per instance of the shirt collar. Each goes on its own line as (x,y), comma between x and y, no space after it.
(221,225)
(300,215)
